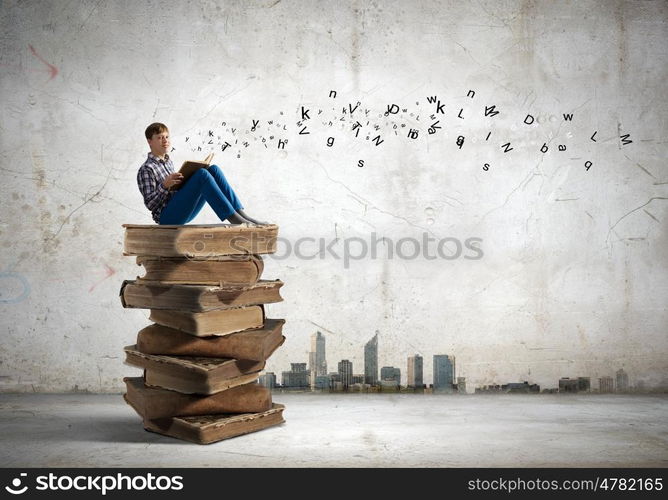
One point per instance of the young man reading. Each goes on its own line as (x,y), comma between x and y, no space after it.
(156,178)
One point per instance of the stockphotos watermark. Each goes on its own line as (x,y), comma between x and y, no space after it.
(352,249)
(96,483)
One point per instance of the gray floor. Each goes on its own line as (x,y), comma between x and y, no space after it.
(355,430)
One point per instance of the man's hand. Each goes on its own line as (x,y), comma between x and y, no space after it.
(172,180)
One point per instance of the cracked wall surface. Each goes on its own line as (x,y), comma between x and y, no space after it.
(573,280)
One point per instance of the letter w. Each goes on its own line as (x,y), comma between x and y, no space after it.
(491,110)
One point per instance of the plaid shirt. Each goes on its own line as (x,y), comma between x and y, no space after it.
(149,178)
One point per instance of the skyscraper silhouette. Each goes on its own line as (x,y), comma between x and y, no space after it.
(296,377)
(584,384)
(390,373)
(267,380)
(346,373)
(622,380)
(444,372)
(316,358)
(415,371)
(606,385)
(371,361)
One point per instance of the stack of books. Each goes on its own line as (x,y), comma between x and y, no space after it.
(210,338)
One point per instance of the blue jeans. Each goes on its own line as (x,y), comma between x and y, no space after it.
(205,185)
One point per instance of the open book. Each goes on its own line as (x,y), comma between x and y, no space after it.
(190,167)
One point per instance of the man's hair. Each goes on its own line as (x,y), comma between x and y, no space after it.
(155,128)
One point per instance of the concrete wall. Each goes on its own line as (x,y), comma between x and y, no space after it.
(573,279)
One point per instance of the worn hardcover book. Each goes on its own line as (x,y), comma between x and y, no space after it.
(207,429)
(153,402)
(255,344)
(226,270)
(217,322)
(198,298)
(193,374)
(199,240)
